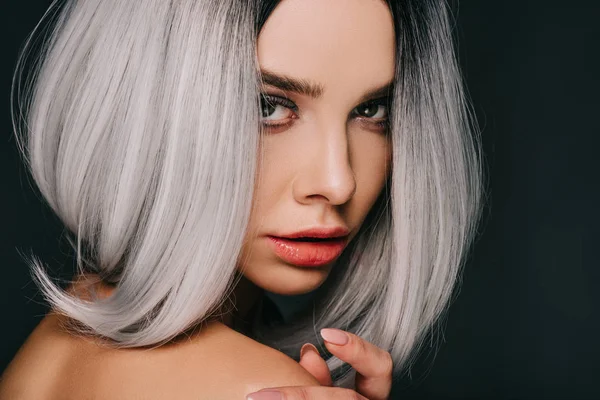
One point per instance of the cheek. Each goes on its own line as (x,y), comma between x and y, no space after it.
(273,175)
(371,161)
(270,187)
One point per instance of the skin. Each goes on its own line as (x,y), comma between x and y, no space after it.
(324,164)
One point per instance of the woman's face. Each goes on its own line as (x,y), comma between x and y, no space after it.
(327,66)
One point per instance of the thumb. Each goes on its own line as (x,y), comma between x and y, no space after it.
(312,361)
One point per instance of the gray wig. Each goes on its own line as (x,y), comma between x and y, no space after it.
(139,124)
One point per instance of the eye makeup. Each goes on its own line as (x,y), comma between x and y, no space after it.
(363,114)
(267,99)
(269,104)
(380,105)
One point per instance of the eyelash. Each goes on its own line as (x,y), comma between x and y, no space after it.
(284,102)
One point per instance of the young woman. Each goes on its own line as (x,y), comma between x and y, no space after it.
(209,156)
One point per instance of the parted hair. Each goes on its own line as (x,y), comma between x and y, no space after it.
(139,123)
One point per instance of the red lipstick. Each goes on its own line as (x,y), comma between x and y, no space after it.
(310,248)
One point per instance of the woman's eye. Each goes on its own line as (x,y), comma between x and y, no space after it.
(374,110)
(273,112)
(276,110)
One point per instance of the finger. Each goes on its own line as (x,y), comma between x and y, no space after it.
(312,361)
(305,393)
(373,365)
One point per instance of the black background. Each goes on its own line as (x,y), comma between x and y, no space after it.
(525,324)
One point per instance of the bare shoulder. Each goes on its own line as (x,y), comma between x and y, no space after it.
(216,362)
(255,366)
(37,369)
(32,374)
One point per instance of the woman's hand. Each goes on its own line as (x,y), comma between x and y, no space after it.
(373,371)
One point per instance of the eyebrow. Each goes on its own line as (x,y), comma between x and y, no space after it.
(315,90)
(300,86)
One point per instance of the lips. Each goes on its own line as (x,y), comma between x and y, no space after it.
(308,251)
(317,232)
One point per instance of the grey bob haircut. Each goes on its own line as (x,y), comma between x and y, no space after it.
(139,124)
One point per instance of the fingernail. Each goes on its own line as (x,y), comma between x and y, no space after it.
(335,336)
(265,395)
(308,347)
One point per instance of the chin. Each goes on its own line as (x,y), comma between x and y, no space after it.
(287,280)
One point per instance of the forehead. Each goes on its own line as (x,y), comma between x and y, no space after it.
(342,44)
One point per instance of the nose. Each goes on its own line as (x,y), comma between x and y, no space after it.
(327,174)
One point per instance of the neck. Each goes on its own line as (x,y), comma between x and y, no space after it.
(241,308)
